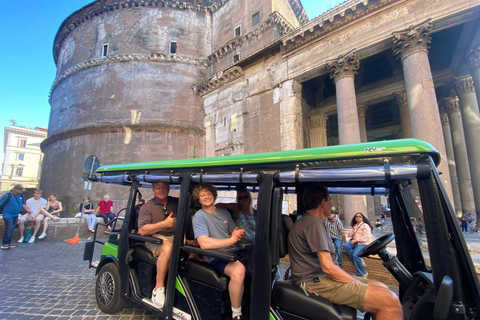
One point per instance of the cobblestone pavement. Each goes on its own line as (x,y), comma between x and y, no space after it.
(48,280)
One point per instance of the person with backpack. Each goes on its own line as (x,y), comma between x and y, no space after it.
(11,205)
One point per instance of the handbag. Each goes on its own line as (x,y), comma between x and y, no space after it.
(356,232)
(28,232)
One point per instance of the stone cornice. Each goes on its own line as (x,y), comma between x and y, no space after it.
(220,79)
(299,11)
(26,131)
(414,39)
(102,129)
(473,58)
(100,7)
(330,21)
(153,57)
(464,85)
(451,105)
(275,20)
(346,65)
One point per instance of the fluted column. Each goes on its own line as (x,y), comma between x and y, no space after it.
(460,153)
(343,71)
(404,114)
(447,134)
(362,110)
(318,130)
(473,61)
(411,46)
(471,128)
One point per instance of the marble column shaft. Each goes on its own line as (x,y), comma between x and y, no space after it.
(473,61)
(471,128)
(404,114)
(447,134)
(460,154)
(411,45)
(343,71)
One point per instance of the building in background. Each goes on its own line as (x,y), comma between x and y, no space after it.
(23,157)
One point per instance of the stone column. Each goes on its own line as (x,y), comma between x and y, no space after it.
(411,46)
(318,130)
(291,128)
(473,61)
(362,110)
(447,134)
(404,114)
(460,154)
(471,128)
(343,71)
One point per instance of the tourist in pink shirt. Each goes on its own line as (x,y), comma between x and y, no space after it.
(104,210)
(360,237)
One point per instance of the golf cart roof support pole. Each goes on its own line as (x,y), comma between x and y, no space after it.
(123,244)
(262,277)
(183,207)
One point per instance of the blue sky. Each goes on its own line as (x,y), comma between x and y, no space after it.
(27,69)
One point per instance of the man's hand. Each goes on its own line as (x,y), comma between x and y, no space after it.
(237,234)
(170,221)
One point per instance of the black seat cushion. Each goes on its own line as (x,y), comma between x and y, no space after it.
(141,253)
(291,298)
(203,272)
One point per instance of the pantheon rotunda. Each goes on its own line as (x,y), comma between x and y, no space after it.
(157,80)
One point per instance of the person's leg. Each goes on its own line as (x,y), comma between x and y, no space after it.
(164,252)
(338,248)
(91,221)
(7,235)
(390,308)
(357,260)
(38,222)
(348,246)
(47,214)
(45,224)
(236,272)
(21,227)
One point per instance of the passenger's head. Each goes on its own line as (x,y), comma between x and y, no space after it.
(204,194)
(161,190)
(315,195)
(244,198)
(52,197)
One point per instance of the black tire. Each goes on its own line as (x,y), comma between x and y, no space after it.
(108,290)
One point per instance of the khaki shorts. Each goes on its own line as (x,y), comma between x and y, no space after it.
(153,247)
(349,294)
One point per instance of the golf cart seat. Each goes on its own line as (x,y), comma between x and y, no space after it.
(203,272)
(141,253)
(291,298)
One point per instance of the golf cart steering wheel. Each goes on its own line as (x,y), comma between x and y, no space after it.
(377,245)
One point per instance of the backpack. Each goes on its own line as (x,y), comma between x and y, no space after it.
(5,203)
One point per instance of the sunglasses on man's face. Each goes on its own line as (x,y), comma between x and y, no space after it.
(242,197)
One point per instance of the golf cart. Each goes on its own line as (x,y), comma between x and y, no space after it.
(440,285)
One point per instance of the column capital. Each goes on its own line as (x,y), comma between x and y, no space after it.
(473,58)
(464,85)
(444,117)
(401,100)
(414,39)
(451,104)
(318,120)
(362,110)
(346,65)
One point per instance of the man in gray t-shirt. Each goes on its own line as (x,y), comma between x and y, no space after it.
(314,268)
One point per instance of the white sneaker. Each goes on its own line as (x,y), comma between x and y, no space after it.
(43,235)
(158,297)
(32,240)
(20,240)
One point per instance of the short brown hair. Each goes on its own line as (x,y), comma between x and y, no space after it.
(203,186)
(313,196)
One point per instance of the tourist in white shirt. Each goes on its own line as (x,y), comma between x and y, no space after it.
(35,204)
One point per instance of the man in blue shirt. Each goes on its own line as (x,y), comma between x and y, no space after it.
(12,208)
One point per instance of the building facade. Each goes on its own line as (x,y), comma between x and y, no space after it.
(151,80)
(22,157)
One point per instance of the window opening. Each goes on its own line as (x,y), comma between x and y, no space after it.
(236,57)
(173,47)
(19,172)
(238,31)
(105,50)
(21,156)
(256,18)
(22,143)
